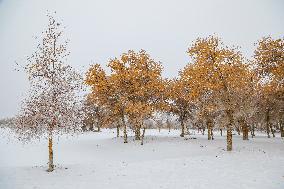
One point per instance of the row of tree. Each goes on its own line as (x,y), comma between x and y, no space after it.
(217,89)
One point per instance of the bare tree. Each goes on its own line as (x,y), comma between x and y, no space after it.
(52,106)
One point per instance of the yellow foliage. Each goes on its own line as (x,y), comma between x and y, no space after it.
(134,87)
(269,56)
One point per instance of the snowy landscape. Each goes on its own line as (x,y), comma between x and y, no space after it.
(100,160)
(141,94)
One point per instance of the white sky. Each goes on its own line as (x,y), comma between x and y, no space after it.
(103,29)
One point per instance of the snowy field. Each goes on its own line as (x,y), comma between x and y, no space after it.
(99,160)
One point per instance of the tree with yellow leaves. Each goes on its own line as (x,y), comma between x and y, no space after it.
(206,108)
(141,78)
(219,71)
(181,97)
(108,92)
(133,90)
(267,105)
(246,104)
(269,60)
(269,57)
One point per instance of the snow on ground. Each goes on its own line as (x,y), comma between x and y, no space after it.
(167,161)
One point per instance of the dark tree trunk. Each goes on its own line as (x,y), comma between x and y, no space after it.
(182,127)
(124,130)
(208,133)
(252,131)
(91,128)
(84,128)
(272,130)
(142,137)
(282,129)
(117,131)
(267,130)
(245,129)
(210,130)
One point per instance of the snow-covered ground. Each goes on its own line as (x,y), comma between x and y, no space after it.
(100,160)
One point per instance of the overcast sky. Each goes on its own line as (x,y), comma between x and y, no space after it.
(103,29)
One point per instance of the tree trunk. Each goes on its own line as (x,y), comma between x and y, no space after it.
(142,137)
(247,132)
(282,129)
(267,130)
(203,131)
(84,128)
(267,123)
(210,130)
(252,131)
(50,154)
(272,130)
(187,130)
(244,129)
(182,128)
(99,128)
(117,131)
(229,139)
(229,131)
(221,132)
(168,125)
(91,128)
(124,130)
(137,132)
